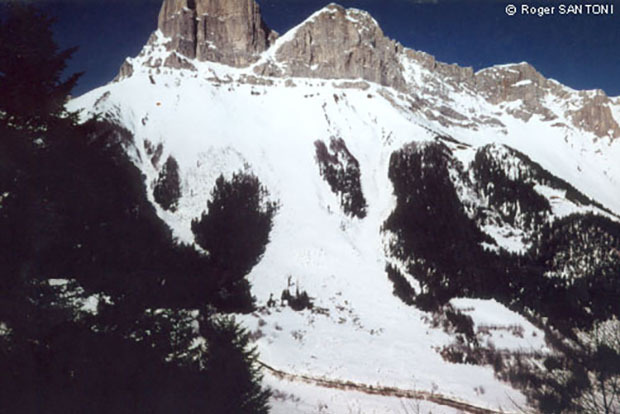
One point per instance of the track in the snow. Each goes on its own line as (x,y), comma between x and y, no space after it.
(384,391)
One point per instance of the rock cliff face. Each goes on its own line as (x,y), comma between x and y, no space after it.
(342,44)
(511,82)
(231,32)
(588,110)
(595,114)
(177,20)
(518,82)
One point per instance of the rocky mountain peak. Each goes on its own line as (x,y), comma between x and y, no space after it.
(336,43)
(339,43)
(231,32)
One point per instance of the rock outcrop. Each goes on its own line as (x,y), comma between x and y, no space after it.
(125,71)
(521,82)
(177,62)
(516,82)
(508,83)
(177,20)
(594,114)
(231,32)
(451,73)
(338,43)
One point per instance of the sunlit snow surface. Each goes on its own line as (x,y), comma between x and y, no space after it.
(362,332)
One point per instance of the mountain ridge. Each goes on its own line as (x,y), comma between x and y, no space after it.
(348,44)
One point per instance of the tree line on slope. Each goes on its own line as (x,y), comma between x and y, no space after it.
(76,227)
(569,276)
(573,259)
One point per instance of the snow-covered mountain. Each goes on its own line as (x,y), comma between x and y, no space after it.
(351,132)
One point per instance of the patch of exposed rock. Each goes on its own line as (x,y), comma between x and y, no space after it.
(231,32)
(125,71)
(594,114)
(336,43)
(521,82)
(178,62)
(455,74)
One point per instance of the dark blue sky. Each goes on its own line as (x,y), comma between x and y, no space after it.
(580,51)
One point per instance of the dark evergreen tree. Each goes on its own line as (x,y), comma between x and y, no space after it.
(402,288)
(235,229)
(32,93)
(341,170)
(234,363)
(167,189)
(73,205)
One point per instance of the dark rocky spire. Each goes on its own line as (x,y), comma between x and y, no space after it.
(231,32)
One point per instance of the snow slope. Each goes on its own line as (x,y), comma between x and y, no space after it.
(217,121)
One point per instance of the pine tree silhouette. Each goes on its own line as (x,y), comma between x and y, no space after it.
(235,229)
(32,93)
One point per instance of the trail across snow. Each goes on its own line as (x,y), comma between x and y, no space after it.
(434,397)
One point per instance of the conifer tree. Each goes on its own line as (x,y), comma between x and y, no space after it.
(236,227)
(234,362)
(167,189)
(32,91)
(76,207)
